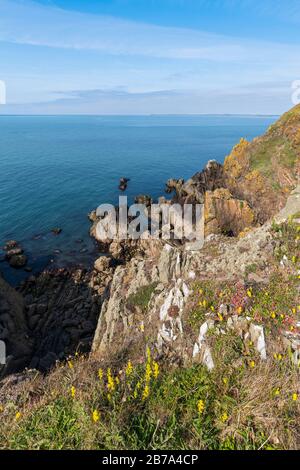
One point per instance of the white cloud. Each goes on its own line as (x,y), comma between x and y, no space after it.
(35,24)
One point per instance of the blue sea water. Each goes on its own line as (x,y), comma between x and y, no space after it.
(55,169)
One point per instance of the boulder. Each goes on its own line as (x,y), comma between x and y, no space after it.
(102,264)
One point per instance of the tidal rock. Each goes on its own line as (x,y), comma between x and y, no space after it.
(9,245)
(123,183)
(56,230)
(18,261)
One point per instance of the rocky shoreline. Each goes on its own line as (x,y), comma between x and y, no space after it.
(62,312)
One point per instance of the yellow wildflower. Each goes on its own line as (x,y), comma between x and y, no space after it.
(137,387)
(155,366)
(70,364)
(129,368)
(73,391)
(100,374)
(295,396)
(146,392)
(249,293)
(18,415)
(204,303)
(200,407)
(225,380)
(110,381)
(252,364)
(224,417)
(95,416)
(294,311)
(273,315)
(200,291)
(148,372)
(142,327)
(220,317)
(294,259)
(240,310)
(277,392)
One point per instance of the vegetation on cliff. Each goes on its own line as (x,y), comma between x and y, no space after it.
(138,400)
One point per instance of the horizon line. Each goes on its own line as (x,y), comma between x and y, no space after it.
(141,115)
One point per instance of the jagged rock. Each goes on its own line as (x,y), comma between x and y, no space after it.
(201,348)
(144,199)
(194,189)
(258,338)
(174,185)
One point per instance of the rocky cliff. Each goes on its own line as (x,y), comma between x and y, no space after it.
(134,287)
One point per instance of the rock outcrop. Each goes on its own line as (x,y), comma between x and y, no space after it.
(266,170)
(225,214)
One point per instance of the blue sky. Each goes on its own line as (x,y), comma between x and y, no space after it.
(149,56)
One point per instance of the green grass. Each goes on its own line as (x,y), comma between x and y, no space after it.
(142,297)
(278,148)
(234,400)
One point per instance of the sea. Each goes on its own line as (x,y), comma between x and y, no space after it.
(55,169)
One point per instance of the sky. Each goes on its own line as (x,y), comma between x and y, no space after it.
(149,56)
